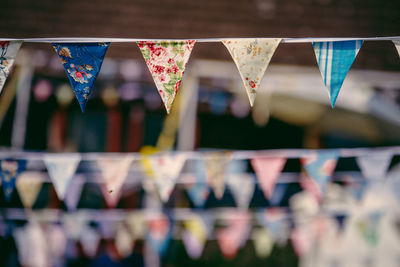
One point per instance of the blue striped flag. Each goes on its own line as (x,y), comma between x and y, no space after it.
(334,61)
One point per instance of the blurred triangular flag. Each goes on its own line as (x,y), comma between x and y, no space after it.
(74,224)
(301,241)
(61,169)
(334,61)
(252,57)
(114,172)
(242,187)
(9,171)
(136,222)
(369,227)
(167,61)
(279,193)
(82,63)
(123,240)
(373,165)
(319,166)
(72,196)
(356,185)
(159,232)
(8,52)
(198,189)
(216,165)
(194,236)
(267,170)
(166,169)
(28,187)
(275,221)
(396,43)
(231,238)
(263,242)
(89,239)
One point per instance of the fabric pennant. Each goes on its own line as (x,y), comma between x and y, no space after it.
(263,242)
(159,232)
(82,63)
(198,190)
(268,170)
(167,61)
(73,195)
(8,52)
(166,169)
(274,220)
(334,61)
(369,227)
(301,242)
(136,222)
(114,172)
(194,236)
(242,188)
(279,193)
(28,186)
(320,166)
(252,57)
(61,169)
(216,165)
(396,43)
(235,234)
(374,165)
(9,171)
(90,240)
(123,240)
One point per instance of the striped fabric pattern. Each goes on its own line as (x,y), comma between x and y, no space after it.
(334,61)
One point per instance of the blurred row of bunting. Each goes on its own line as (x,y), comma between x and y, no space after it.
(167,60)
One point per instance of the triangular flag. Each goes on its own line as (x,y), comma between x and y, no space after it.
(396,43)
(61,169)
(28,187)
(90,240)
(167,61)
(279,193)
(166,169)
(275,221)
(8,52)
(374,165)
(369,227)
(194,236)
(159,232)
(242,188)
(268,170)
(320,166)
(263,242)
(123,240)
(334,61)
(136,222)
(216,165)
(356,185)
(9,171)
(198,189)
(114,172)
(74,224)
(252,57)
(82,63)
(72,196)
(235,234)
(301,242)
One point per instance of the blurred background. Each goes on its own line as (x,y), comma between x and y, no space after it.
(39,112)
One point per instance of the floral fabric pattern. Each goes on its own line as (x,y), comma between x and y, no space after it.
(167,61)
(82,63)
(251,57)
(8,52)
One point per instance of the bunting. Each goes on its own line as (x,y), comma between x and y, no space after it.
(252,57)
(90,240)
(198,189)
(216,165)
(194,235)
(114,172)
(334,60)
(242,188)
(319,166)
(373,166)
(82,63)
(8,52)
(123,240)
(167,61)
(159,232)
(268,171)
(275,221)
(166,169)
(61,169)
(263,242)
(72,196)
(28,186)
(9,171)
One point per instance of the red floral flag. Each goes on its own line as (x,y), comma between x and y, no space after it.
(167,61)
(268,170)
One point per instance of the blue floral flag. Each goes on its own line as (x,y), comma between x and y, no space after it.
(9,170)
(82,63)
(334,61)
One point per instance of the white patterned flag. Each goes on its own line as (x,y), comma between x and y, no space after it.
(114,172)
(334,61)
(252,57)
(242,187)
(61,169)
(374,165)
(28,186)
(8,52)
(216,165)
(165,170)
(268,170)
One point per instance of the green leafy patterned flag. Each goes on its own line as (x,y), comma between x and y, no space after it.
(167,61)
